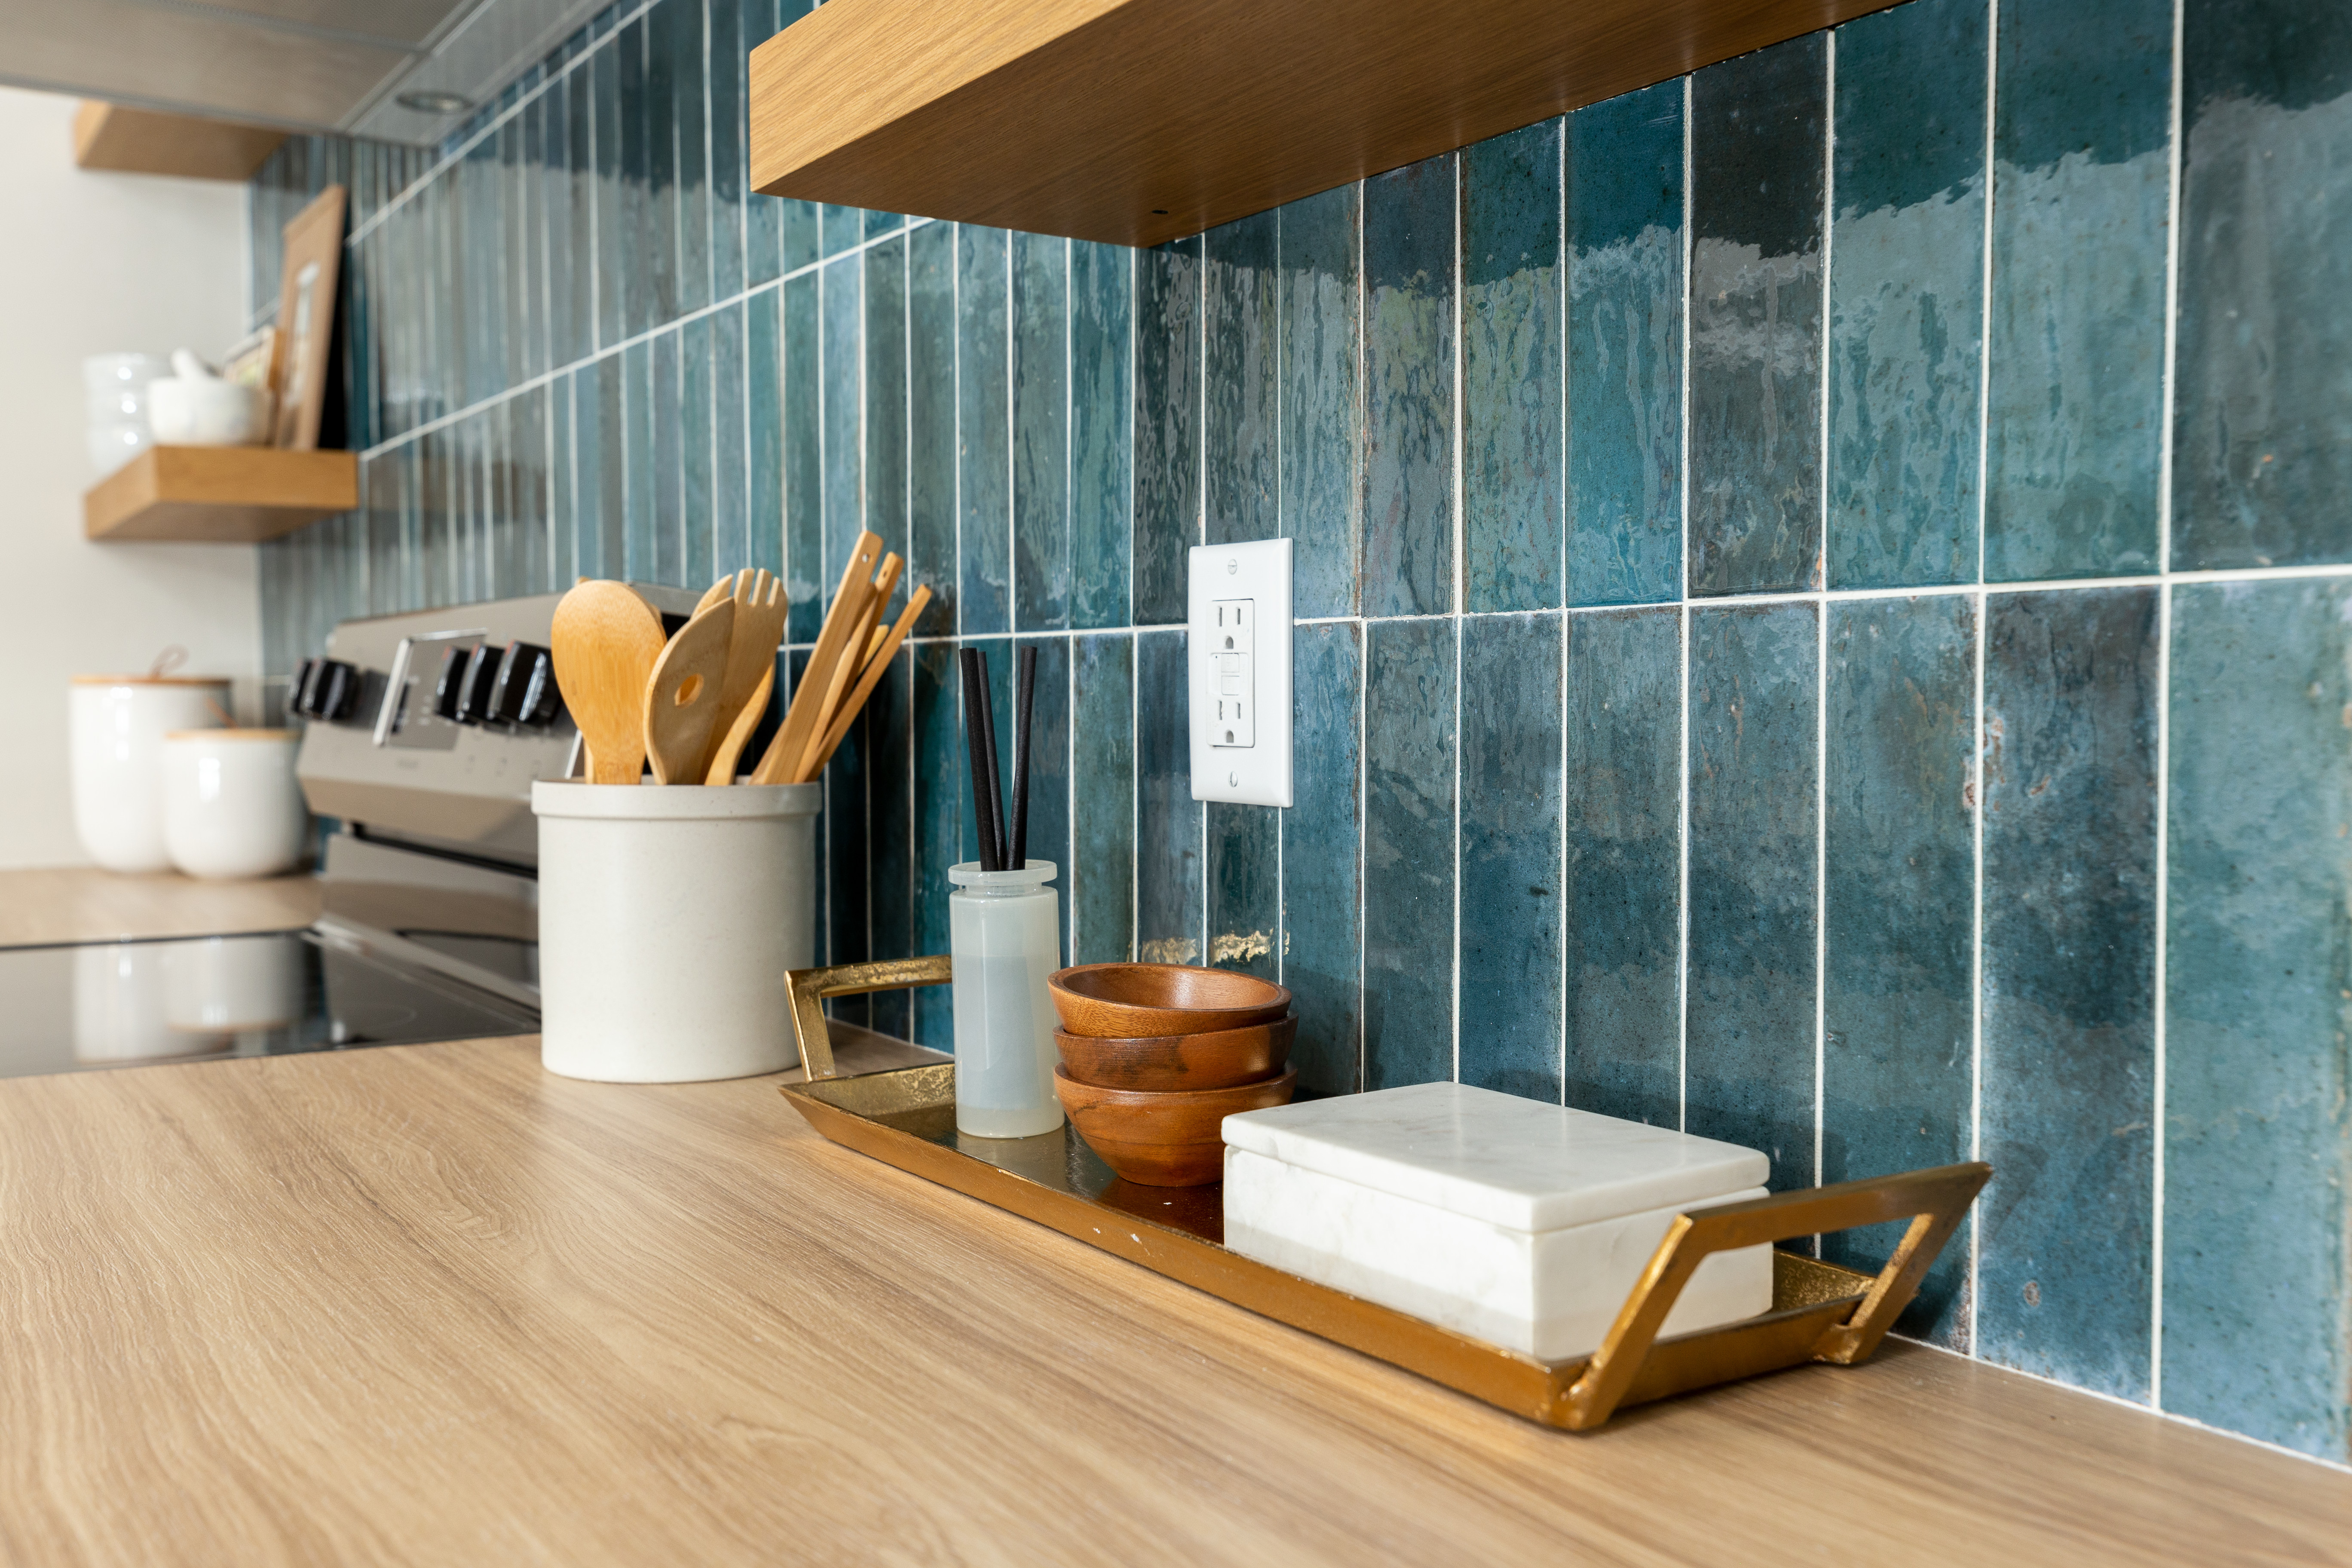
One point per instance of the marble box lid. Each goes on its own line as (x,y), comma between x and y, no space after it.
(1496,1157)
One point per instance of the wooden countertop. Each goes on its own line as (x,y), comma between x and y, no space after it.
(431,1304)
(80,903)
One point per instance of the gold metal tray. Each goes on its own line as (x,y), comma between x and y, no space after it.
(1821,1312)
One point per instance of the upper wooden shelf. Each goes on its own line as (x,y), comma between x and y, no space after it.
(1139,122)
(220,495)
(141,141)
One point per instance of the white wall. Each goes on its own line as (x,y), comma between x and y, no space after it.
(95,263)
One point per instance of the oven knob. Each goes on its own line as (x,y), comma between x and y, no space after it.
(524,691)
(330,689)
(474,686)
(298,684)
(450,682)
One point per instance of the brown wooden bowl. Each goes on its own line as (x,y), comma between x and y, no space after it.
(1133,1001)
(1162,1063)
(1164,1140)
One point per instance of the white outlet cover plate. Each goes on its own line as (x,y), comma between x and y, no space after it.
(1258,773)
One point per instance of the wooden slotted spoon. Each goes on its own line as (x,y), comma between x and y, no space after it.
(606,640)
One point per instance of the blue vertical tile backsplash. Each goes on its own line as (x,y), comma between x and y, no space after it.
(1742,683)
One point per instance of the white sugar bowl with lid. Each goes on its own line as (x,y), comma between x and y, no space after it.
(1514,1222)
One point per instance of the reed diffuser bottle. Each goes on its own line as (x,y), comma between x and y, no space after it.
(1004,933)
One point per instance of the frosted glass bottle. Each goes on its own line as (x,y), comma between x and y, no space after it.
(1005,931)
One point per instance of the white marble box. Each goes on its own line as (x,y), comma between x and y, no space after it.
(1517,1223)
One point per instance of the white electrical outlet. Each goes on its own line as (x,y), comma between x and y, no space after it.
(1237,635)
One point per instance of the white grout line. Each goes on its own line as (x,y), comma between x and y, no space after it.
(1821,616)
(2161,1018)
(1282,531)
(1567,526)
(1682,628)
(1364,641)
(1134,769)
(1460,578)
(1984,605)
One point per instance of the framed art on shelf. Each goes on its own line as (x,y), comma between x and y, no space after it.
(306,317)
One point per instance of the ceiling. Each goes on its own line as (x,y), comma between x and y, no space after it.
(298,65)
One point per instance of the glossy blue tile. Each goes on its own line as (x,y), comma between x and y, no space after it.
(482,262)
(1040,375)
(1411,668)
(1322,881)
(563,490)
(842,414)
(885,397)
(756,23)
(730,531)
(676,560)
(1245,875)
(1322,411)
(1513,366)
(608,185)
(688,119)
(846,832)
(1624,200)
(1167,427)
(1102,425)
(1758,136)
(1748,1028)
(885,730)
(806,583)
(1512,780)
(696,457)
(1168,910)
(1906,296)
(1899,917)
(983,444)
(941,779)
(2069,1049)
(1239,422)
(648,261)
(1622,860)
(2257,1137)
(669,106)
(2262,453)
(2082,178)
(522,296)
(641,528)
(1099,884)
(1408,356)
(1049,762)
(570,224)
(729,129)
(604,456)
(839,228)
(931,420)
(763,402)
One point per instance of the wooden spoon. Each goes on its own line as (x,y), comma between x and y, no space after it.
(681,697)
(606,641)
(846,714)
(846,667)
(750,672)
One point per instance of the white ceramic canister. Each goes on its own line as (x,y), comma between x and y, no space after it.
(1005,934)
(118,724)
(232,807)
(668,917)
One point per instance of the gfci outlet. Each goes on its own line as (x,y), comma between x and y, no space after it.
(1237,649)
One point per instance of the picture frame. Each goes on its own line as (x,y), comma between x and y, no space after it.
(306,317)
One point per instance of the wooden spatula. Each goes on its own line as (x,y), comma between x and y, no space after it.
(750,672)
(885,648)
(605,642)
(681,697)
(832,642)
(846,667)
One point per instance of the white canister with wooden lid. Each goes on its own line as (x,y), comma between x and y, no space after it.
(118,724)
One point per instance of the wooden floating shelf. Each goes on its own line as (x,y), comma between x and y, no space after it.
(1139,122)
(141,141)
(220,495)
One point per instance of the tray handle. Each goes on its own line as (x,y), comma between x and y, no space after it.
(1934,1201)
(808,989)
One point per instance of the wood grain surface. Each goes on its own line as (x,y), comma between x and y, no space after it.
(111,137)
(82,903)
(219,495)
(429,1304)
(1139,122)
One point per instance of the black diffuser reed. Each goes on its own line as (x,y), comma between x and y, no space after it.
(1022,706)
(979,741)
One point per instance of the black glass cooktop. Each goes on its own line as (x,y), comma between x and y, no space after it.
(123,1004)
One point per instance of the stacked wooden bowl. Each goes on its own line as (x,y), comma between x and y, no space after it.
(1156,1056)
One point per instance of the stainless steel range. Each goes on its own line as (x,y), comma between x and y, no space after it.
(424,733)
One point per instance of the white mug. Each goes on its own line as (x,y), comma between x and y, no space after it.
(214,413)
(118,724)
(231,804)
